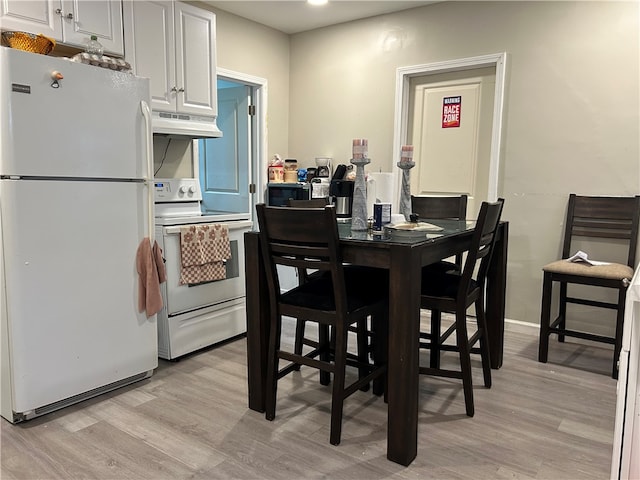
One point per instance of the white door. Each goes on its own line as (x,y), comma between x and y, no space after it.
(68,139)
(224,162)
(187,298)
(450,122)
(111,145)
(151,50)
(195,35)
(70,265)
(37,16)
(102,18)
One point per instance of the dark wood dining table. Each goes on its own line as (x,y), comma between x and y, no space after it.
(403,257)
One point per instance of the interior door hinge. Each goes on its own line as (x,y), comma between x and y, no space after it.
(252,110)
(252,188)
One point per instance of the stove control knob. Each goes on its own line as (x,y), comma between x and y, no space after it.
(192,189)
(183,189)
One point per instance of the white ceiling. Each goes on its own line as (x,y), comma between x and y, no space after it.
(294,16)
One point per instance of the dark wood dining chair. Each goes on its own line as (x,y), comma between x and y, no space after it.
(337,298)
(454,292)
(365,335)
(451,208)
(599,218)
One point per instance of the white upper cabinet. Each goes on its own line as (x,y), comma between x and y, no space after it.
(173,44)
(71,22)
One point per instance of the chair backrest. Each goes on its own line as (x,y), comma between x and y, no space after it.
(303,238)
(603,217)
(481,249)
(310,203)
(454,208)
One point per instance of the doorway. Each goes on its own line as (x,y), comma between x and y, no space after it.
(228,167)
(463,70)
(450,117)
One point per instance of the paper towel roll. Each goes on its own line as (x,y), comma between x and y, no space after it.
(380,189)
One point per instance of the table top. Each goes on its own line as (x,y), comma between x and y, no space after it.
(444,228)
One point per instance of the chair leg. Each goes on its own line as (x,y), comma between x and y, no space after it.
(545,318)
(272,368)
(563,310)
(324,342)
(379,339)
(434,357)
(299,339)
(485,354)
(622,296)
(363,350)
(337,397)
(465,359)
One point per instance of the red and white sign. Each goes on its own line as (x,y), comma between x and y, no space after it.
(451,108)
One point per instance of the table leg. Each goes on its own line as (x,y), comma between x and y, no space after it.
(404,334)
(496,293)
(257,321)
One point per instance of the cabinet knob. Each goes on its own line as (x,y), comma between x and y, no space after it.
(181,89)
(174,89)
(59,12)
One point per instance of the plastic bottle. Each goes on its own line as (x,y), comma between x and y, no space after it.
(94,46)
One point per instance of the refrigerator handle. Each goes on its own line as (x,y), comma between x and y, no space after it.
(146,113)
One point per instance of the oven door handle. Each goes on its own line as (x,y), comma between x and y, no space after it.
(231,226)
(146,113)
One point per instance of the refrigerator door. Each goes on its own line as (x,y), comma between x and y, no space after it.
(626,441)
(89,125)
(71,292)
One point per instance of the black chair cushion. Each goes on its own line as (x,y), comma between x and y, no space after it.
(364,287)
(440,268)
(440,284)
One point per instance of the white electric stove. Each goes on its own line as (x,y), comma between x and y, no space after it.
(200,315)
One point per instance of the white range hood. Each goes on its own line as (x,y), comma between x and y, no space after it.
(188,125)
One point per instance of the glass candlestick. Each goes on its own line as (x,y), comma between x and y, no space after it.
(359,208)
(405,194)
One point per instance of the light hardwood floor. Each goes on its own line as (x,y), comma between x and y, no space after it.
(190,421)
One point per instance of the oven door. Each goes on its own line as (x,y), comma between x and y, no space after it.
(186,298)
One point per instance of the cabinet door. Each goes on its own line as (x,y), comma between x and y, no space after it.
(34,16)
(196,60)
(102,18)
(150,48)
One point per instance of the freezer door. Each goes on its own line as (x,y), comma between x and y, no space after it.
(88,124)
(71,287)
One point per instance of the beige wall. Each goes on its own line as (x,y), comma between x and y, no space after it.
(572,101)
(571,121)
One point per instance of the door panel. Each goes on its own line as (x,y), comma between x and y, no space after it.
(107,101)
(70,255)
(195,60)
(224,162)
(150,26)
(184,298)
(452,160)
(35,16)
(102,18)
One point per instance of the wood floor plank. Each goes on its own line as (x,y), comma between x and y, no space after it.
(190,421)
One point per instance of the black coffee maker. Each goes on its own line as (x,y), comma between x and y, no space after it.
(341,191)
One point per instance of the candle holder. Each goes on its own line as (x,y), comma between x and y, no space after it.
(359,207)
(405,194)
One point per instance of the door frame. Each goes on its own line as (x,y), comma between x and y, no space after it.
(258,140)
(401,117)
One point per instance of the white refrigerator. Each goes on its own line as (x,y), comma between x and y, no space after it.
(625,462)
(75,203)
